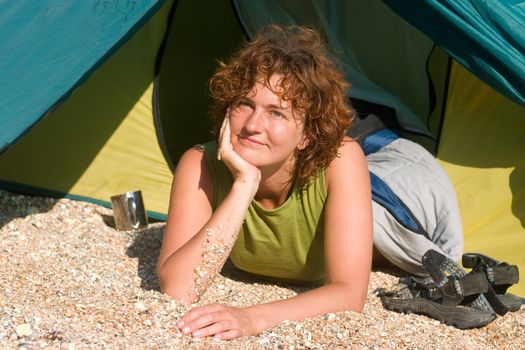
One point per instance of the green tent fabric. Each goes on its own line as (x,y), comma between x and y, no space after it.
(34,78)
(487,37)
(99,140)
(103,138)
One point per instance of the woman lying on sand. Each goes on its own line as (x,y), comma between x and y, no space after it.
(283,192)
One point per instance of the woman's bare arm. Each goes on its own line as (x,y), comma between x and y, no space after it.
(197,241)
(348,251)
(348,244)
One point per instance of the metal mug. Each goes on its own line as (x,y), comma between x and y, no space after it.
(128,210)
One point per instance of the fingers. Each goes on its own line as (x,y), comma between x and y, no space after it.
(198,312)
(224,138)
(211,320)
(212,329)
(228,335)
(198,318)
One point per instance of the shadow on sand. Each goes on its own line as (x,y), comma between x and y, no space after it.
(19,205)
(146,248)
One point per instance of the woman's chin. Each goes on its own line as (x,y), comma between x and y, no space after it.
(251,158)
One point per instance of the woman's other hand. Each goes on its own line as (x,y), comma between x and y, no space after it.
(219,321)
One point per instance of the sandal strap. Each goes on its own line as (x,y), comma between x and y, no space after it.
(452,292)
(500,275)
(427,288)
(457,288)
(492,297)
(472,283)
(472,260)
(503,274)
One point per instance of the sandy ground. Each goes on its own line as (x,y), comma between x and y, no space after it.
(71,281)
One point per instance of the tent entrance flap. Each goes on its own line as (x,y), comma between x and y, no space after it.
(189,58)
(361,36)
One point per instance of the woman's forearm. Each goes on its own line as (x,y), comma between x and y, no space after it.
(333,297)
(187,273)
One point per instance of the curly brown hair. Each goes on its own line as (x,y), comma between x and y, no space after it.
(310,80)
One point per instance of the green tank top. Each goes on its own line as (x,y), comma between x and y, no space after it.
(284,244)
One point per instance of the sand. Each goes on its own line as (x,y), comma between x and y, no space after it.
(71,281)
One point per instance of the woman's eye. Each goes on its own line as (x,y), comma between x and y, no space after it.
(277,115)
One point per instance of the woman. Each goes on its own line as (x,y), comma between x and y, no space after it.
(289,198)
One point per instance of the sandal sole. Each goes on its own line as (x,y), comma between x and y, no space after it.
(461,317)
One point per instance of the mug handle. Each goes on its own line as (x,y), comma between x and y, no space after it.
(132,206)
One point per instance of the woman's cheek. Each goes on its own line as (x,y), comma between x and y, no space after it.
(279,132)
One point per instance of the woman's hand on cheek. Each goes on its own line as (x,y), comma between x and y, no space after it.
(219,321)
(240,169)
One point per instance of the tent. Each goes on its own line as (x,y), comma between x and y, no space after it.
(100,98)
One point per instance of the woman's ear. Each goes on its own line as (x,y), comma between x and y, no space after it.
(303,143)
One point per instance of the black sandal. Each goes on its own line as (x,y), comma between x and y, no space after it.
(445,271)
(422,296)
(500,276)
(450,295)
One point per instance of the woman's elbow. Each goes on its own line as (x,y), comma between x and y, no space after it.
(355,303)
(164,281)
(173,288)
(161,277)
(176,293)
(358,307)
(354,298)
(358,301)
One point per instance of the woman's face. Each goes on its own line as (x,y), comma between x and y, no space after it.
(264,130)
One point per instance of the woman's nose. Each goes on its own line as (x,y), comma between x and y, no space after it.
(255,121)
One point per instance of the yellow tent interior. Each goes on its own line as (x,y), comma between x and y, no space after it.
(104,140)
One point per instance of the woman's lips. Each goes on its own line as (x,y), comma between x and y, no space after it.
(250,141)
